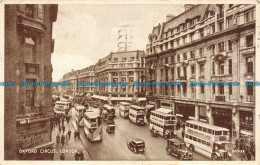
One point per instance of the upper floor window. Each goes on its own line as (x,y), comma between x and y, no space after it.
(201,52)
(192,54)
(249,16)
(249,64)
(230,66)
(230,45)
(192,69)
(201,69)
(229,22)
(132,59)
(221,90)
(221,68)
(115,59)
(184,56)
(221,47)
(178,42)
(201,33)
(178,58)
(124,59)
(184,39)
(179,72)
(40,13)
(192,36)
(221,26)
(249,40)
(250,90)
(29,10)
(166,60)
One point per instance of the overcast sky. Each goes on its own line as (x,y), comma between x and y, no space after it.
(85,33)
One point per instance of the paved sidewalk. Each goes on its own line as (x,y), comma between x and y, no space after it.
(71,148)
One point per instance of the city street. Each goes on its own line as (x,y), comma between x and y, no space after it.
(114,146)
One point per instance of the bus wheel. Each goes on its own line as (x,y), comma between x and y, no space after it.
(214,157)
(191,147)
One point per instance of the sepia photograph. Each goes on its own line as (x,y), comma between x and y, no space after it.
(129,82)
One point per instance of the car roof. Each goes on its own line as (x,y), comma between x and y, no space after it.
(176,141)
(137,140)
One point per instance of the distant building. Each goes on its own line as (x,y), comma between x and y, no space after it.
(206,43)
(125,66)
(71,77)
(28,48)
(86,75)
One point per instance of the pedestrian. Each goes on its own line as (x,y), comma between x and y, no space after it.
(59,128)
(76,156)
(75,134)
(62,156)
(67,139)
(68,119)
(69,133)
(236,143)
(81,156)
(62,120)
(182,134)
(62,139)
(78,134)
(63,129)
(58,139)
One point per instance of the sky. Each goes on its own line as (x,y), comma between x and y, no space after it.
(86,33)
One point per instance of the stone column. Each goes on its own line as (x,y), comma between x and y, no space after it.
(209,114)
(236,120)
(196,112)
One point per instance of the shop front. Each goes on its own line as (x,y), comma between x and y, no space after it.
(222,117)
(185,111)
(246,123)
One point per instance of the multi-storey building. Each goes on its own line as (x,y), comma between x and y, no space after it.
(86,75)
(206,43)
(28,48)
(72,78)
(125,66)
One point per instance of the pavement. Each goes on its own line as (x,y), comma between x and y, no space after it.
(71,148)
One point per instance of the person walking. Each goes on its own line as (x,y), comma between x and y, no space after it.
(68,119)
(62,156)
(69,133)
(59,128)
(62,140)
(67,139)
(81,156)
(78,134)
(76,156)
(75,134)
(63,129)
(182,134)
(58,139)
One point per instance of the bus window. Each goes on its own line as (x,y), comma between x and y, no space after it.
(205,130)
(218,132)
(187,136)
(190,137)
(167,117)
(208,144)
(199,140)
(203,142)
(191,125)
(200,128)
(194,139)
(92,120)
(195,127)
(187,124)
(210,131)
(225,132)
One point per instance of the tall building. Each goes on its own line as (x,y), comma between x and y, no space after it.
(71,77)
(86,75)
(28,48)
(127,66)
(206,43)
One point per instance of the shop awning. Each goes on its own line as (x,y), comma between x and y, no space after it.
(142,99)
(121,98)
(246,133)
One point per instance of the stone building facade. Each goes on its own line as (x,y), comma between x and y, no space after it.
(72,78)
(28,48)
(206,43)
(86,75)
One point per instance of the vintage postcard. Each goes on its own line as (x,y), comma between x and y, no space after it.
(129,82)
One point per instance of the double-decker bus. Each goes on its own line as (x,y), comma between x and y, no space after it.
(163,121)
(124,109)
(62,107)
(208,140)
(110,110)
(80,110)
(136,114)
(92,126)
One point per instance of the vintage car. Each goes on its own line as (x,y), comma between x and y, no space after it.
(136,145)
(177,148)
(110,128)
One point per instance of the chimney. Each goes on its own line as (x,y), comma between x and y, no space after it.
(188,6)
(169,16)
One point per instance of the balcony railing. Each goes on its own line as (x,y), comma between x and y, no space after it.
(220,98)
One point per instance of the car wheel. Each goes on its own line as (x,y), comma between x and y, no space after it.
(180,157)
(214,157)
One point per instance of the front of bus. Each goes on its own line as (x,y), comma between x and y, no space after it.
(222,144)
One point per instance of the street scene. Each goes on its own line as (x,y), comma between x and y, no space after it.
(151,82)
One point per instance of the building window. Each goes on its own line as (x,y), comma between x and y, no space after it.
(249,16)
(178,42)
(229,22)
(213,28)
(249,40)
(201,33)
(230,89)
(29,50)
(192,91)
(40,12)
(123,59)
(202,89)
(221,90)
(201,52)
(184,56)
(161,74)
(178,58)
(192,69)
(192,36)
(185,89)
(179,72)
(221,26)
(192,54)
(249,64)
(184,39)
(230,45)
(172,73)
(184,72)
(201,69)
(221,47)
(250,90)
(115,59)
(166,75)
(166,60)
(221,68)
(230,66)
(172,87)
(214,89)
(179,89)
(172,59)
(212,49)
(29,10)
(132,59)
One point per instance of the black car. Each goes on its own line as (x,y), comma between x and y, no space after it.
(136,145)
(177,148)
